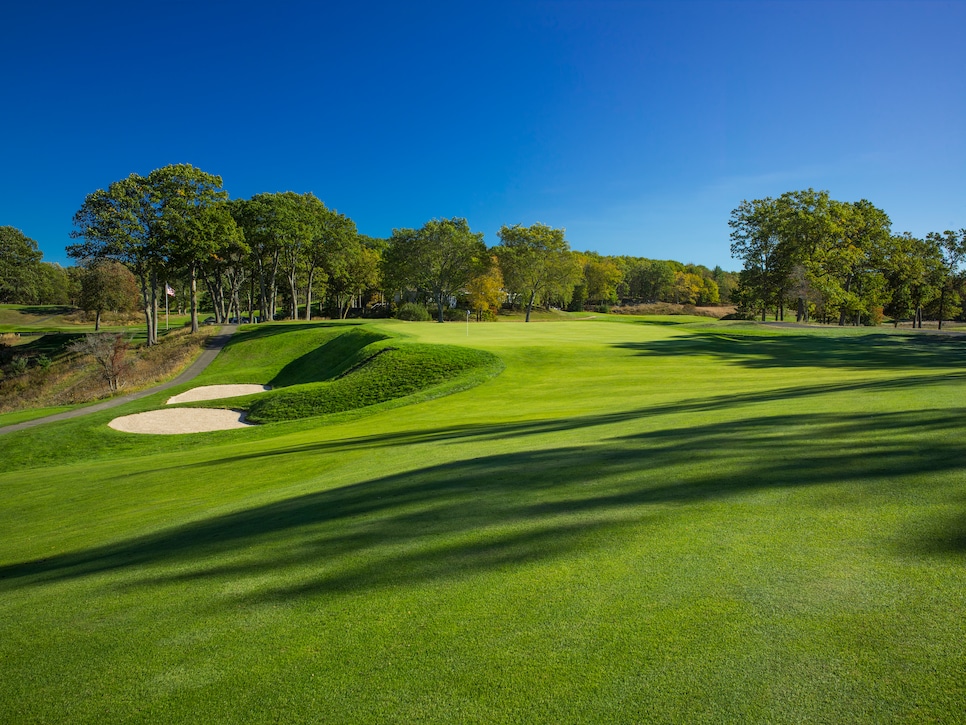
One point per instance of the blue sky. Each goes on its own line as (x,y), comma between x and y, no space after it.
(637,126)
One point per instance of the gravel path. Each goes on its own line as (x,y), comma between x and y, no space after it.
(214,346)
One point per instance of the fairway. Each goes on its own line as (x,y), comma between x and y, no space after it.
(630,520)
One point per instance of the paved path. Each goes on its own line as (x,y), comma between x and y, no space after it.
(214,346)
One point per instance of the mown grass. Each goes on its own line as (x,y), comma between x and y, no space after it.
(632,523)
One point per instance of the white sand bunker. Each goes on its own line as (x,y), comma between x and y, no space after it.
(212,392)
(180,420)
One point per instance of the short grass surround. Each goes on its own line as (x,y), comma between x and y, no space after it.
(697,522)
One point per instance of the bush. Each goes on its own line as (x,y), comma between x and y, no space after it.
(454,314)
(414,312)
(18,366)
(602,309)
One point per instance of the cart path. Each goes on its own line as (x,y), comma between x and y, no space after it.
(212,348)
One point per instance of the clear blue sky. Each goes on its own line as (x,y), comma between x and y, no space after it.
(637,126)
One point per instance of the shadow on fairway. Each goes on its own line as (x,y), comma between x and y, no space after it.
(457,519)
(874,351)
(48,343)
(46,310)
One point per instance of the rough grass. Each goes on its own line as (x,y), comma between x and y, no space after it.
(72,379)
(632,523)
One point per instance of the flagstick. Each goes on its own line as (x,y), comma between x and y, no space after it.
(166,288)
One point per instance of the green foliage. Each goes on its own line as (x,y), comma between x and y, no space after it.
(439,260)
(454,314)
(18,366)
(413,312)
(107,285)
(538,266)
(19,267)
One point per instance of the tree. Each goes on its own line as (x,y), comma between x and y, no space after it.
(110,352)
(265,220)
(537,263)
(756,239)
(439,259)
(19,266)
(224,270)
(180,195)
(107,285)
(351,273)
(485,291)
(337,252)
(53,285)
(952,247)
(602,276)
(120,223)
(913,268)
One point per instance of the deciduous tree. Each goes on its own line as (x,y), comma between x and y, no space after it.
(19,266)
(107,285)
(440,259)
(537,264)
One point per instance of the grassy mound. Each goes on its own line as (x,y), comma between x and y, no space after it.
(381,372)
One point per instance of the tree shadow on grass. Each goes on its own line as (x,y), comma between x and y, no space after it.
(508,510)
(48,343)
(874,351)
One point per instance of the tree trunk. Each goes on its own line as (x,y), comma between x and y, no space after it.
(533,296)
(97,321)
(153,315)
(308,296)
(193,287)
(942,305)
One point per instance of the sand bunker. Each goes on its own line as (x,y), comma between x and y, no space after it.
(213,392)
(180,420)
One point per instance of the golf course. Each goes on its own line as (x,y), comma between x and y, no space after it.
(604,518)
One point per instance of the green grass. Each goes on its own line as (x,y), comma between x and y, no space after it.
(633,522)
(21,416)
(37,319)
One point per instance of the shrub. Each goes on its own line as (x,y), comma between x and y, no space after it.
(110,352)
(414,312)
(454,314)
(18,366)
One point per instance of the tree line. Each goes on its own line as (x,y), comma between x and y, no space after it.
(287,254)
(835,261)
